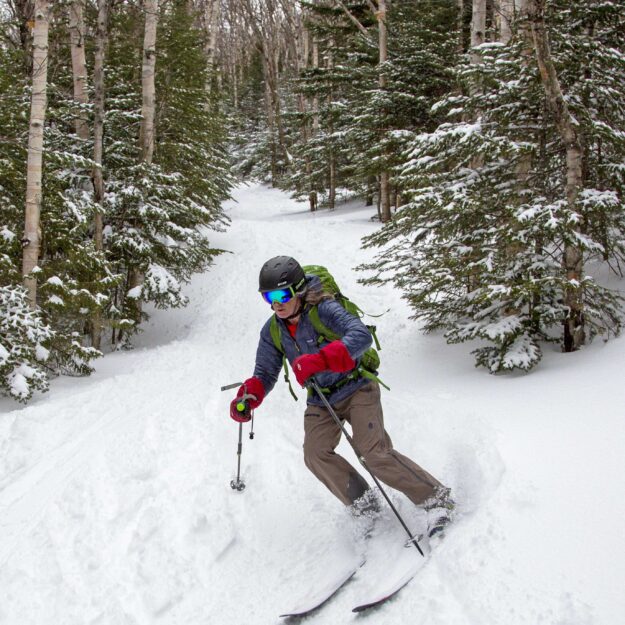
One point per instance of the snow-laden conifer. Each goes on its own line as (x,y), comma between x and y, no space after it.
(479,248)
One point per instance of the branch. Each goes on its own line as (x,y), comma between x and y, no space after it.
(349,14)
(372,6)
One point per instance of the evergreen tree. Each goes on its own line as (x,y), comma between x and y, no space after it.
(363,127)
(478,249)
(156,213)
(23,333)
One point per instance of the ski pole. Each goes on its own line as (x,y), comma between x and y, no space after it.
(361,459)
(238,483)
(243,407)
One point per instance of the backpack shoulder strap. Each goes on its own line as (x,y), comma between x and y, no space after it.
(276,337)
(276,334)
(320,327)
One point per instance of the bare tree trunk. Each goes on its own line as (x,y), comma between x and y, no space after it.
(79,65)
(32,228)
(506,14)
(148,130)
(23,11)
(101,40)
(235,86)
(574,335)
(315,101)
(211,26)
(460,26)
(312,196)
(385,199)
(478,27)
(331,155)
(271,122)
(274,65)
(370,191)
(304,104)
(148,86)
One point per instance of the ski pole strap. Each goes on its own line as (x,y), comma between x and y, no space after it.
(286,377)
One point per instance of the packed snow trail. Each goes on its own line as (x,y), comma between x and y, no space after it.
(115,498)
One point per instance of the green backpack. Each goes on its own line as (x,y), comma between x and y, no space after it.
(370,360)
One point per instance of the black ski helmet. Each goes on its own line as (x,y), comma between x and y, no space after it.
(281,272)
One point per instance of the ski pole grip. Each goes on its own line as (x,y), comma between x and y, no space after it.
(231,386)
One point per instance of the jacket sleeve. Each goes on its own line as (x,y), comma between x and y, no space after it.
(268,360)
(353,332)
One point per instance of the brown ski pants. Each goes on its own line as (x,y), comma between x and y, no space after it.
(363,411)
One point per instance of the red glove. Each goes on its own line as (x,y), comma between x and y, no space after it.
(333,356)
(254,392)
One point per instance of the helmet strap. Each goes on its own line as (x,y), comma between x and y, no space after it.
(297,312)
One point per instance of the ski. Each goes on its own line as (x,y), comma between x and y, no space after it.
(326,591)
(391,564)
(389,589)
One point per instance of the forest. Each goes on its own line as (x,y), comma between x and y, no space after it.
(486,136)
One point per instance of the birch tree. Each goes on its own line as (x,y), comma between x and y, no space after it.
(212,14)
(148,113)
(478,27)
(32,229)
(79,66)
(568,129)
(505,17)
(148,109)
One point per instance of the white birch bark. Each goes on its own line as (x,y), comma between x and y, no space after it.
(148,128)
(478,27)
(148,81)
(79,65)
(212,13)
(574,335)
(32,229)
(385,197)
(506,15)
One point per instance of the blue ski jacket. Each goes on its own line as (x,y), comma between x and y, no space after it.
(354,335)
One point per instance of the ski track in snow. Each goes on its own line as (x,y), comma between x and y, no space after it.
(115,505)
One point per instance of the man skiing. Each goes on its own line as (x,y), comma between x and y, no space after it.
(354,397)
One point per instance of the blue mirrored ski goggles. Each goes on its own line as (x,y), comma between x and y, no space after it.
(282,296)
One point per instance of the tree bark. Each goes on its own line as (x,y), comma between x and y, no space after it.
(101,40)
(23,12)
(32,229)
(478,27)
(148,81)
(331,155)
(506,15)
(574,335)
(312,196)
(148,129)
(385,199)
(211,25)
(79,65)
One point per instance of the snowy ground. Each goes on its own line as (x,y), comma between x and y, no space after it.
(115,504)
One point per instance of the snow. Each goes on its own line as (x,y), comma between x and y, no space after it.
(115,498)
(6,234)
